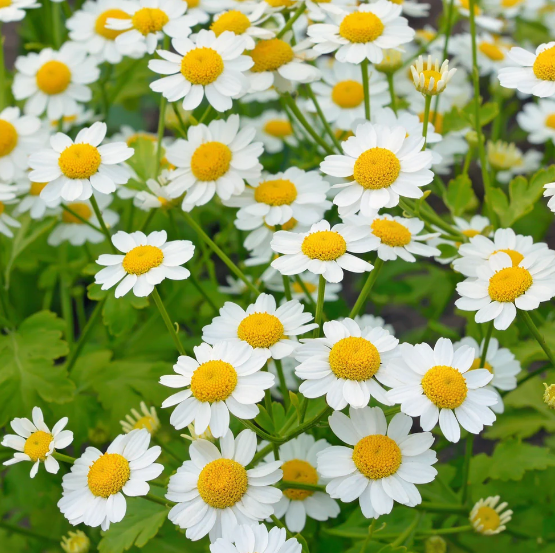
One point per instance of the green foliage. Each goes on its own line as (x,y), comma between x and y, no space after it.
(460,195)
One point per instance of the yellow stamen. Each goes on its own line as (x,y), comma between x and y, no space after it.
(260,330)
(8,137)
(377,456)
(354,358)
(79,161)
(142,259)
(53,77)
(37,445)
(100,24)
(297,470)
(391,233)
(211,161)
(222,483)
(108,474)
(202,66)
(508,284)
(233,21)
(269,55)
(488,518)
(361,27)
(213,381)
(276,192)
(325,245)
(37,188)
(544,66)
(376,168)
(492,51)
(278,128)
(348,94)
(149,20)
(81,209)
(445,387)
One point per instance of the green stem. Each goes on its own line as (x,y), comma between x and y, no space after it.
(103,226)
(204,116)
(196,283)
(177,113)
(403,536)
(427,103)
(284,485)
(467,160)
(487,338)
(366,289)
(168,450)
(441,508)
(536,333)
(366,88)
(148,220)
(447,33)
(282,383)
(304,288)
(498,121)
(528,376)
(168,321)
(392,92)
(64,458)
(299,11)
(65,298)
(159,500)
(287,287)
(446,531)
(466,467)
(261,454)
(369,536)
(319,306)
(57,26)
(26,532)
(323,117)
(82,219)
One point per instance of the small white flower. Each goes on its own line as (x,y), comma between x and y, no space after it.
(538,120)
(371,321)
(491,52)
(489,518)
(256,538)
(509,161)
(274,130)
(158,195)
(310,282)
(147,419)
(14,10)
(484,21)
(529,10)
(429,77)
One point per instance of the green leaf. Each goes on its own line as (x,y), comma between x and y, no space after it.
(28,376)
(143,161)
(488,112)
(460,196)
(141,523)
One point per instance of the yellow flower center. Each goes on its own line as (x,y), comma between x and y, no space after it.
(280,3)
(276,192)
(289,225)
(213,381)
(435,118)
(354,358)
(100,24)
(302,472)
(269,55)
(508,284)
(8,137)
(445,387)
(428,75)
(465,4)
(108,474)
(298,289)
(37,445)
(391,233)
(325,245)
(516,257)
(492,51)
(377,456)
(149,20)
(233,21)
(148,422)
(470,232)
(202,66)
(136,137)
(488,518)
(260,330)
(376,168)
(478,364)
(361,27)
(544,66)
(210,161)
(5,3)
(53,77)
(425,35)
(81,209)
(347,94)
(222,483)
(141,259)
(511,3)
(79,161)
(550,121)
(37,188)
(279,128)
(2,207)
(192,3)
(76,542)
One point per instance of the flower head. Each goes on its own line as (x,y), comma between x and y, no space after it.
(256,538)
(76,542)
(147,418)
(429,78)
(489,517)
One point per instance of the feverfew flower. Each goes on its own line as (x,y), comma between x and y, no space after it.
(73,168)
(256,538)
(76,542)
(147,418)
(489,518)
(30,200)
(484,21)
(148,260)
(538,120)
(508,160)
(412,123)
(549,192)
(429,77)
(33,441)
(222,379)
(382,466)
(13,10)
(158,195)
(491,52)
(6,221)
(274,130)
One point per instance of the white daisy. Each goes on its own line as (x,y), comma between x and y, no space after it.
(384,463)
(383,163)
(92,491)
(148,21)
(256,538)
(508,160)
(33,441)
(343,363)
(362,34)
(484,21)
(429,77)
(215,159)
(262,325)
(158,195)
(80,118)
(73,168)
(55,81)
(14,10)
(222,379)
(436,384)
(274,130)
(6,221)
(510,9)
(323,250)
(489,518)
(147,418)
(310,282)
(538,120)
(208,65)
(549,192)
(215,492)
(500,287)
(148,260)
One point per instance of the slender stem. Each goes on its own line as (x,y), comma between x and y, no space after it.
(182,125)
(65,298)
(467,160)
(82,219)
(366,289)
(392,92)
(287,287)
(204,116)
(148,219)
(403,536)
(103,226)
(319,306)
(159,500)
(299,11)
(167,449)
(466,467)
(57,25)
(446,531)
(323,117)
(161,118)
(369,536)
(196,283)
(168,321)
(304,288)
(447,33)
(487,338)
(536,333)
(26,532)
(498,121)
(528,376)
(282,383)
(261,454)
(441,508)
(64,458)
(427,103)
(366,88)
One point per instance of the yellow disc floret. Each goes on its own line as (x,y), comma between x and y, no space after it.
(479,364)
(37,188)
(354,358)
(430,74)
(516,257)
(79,161)
(488,518)
(280,3)
(213,381)
(297,470)
(298,289)
(148,422)
(544,65)
(5,3)
(53,77)
(348,94)
(81,209)
(260,330)
(278,128)
(491,51)
(377,456)
(550,121)
(445,387)
(37,445)
(222,483)
(325,245)
(276,192)
(269,55)
(202,66)
(108,474)
(2,207)
(233,21)
(435,118)
(100,24)
(149,20)
(508,284)
(8,137)
(141,259)
(211,161)
(391,233)
(361,27)
(376,168)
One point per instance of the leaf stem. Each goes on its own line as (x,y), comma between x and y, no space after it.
(105,230)
(366,88)
(282,383)
(16,529)
(64,458)
(366,289)
(168,321)
(525,316)
(487,338)
(392,92)
(466,467)
(298,12)
(319,306)
(323,117)
(427,103)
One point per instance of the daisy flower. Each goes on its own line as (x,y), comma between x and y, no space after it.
(299,458)
(215,492)
(310,282)
(491,52)
(397,236)
(208,65)
(148,21)
(80,118)
(73,168)
(429,77)
(256,538)
(6,221)
(343,363)
(222,379)
(18,138)
(76,542)
(33,441)
(158,195)
(514,8)
(484,21)
(263,326)
(499,361)
(92,491)
(215,159)
(275,199)
(14,10)
(384,463)
(147,418)
(274,130)
(488,517)
(538,120)
(148,260)
(509,161)
(549,192)
(534,73)
(55,81)
(501,287)
(383,163)
(436,384)
(323,250)
(363,33)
